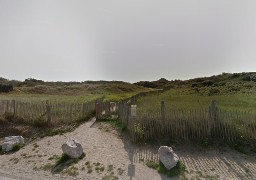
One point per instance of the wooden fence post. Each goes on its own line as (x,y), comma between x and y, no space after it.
(49,114)
(7,106)
(162,110)
(14,107)
(213,110)
(107,109)
(132,119)
(83,110)
(127,109)
(97,109)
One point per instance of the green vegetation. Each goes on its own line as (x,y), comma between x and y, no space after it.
(179,169)
(206,142)
(61,160)
(239,146)
(32,94)
(176,99)
(110,177)
(110,168)
(89,171)
(152,164)
(6,88)
(187,102)
(63,164)
(1,151)
(89,167)
(14,125)
(17,146)
(99,168)
(139,132)
(64,158)
(120,171)
(225,83)
(80,92)
(48,167)
(231,91)
(200,175)
(71,171)
(115,122)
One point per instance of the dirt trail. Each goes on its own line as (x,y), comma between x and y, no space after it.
(102,144)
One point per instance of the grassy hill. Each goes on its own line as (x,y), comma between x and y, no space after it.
(225,83)
(231,91)
(33,89)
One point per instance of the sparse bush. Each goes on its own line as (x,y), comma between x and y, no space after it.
(139,132)
(213,91)
(194,85)
(63,161)
(6,88)
(246,77)
(177,170)
(40,123)
(48,167)
(17,146)
(152,164)
(110,168)
(1,150)
(235,75)
(205,142)
(120,171)
(207,83)
(110,177)
(71,171)
(39,89)
(32,82)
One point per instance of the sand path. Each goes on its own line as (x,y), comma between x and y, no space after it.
(102,144)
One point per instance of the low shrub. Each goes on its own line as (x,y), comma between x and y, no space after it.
(17,146)
(116,122)
(1,150)
(6,88)
(39,123)
(207,83)
(139,131)
(206,142)
(152,164)
(177,170)
(63,161)
(213,91)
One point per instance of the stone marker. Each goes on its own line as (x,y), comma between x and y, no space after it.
(168,157)
(10,141)
(72,148)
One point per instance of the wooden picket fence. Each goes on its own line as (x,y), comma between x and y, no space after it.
(105,109)
(198,124)
(52,113)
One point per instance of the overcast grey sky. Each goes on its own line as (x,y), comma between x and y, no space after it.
(129,40)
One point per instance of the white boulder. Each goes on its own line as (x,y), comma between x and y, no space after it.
(72,148)
(10,141)
(168,157)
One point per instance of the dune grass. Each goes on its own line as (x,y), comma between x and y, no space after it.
(175,99)
(75,93)
(179,169)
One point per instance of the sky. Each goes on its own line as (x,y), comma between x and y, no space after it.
(127,40)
